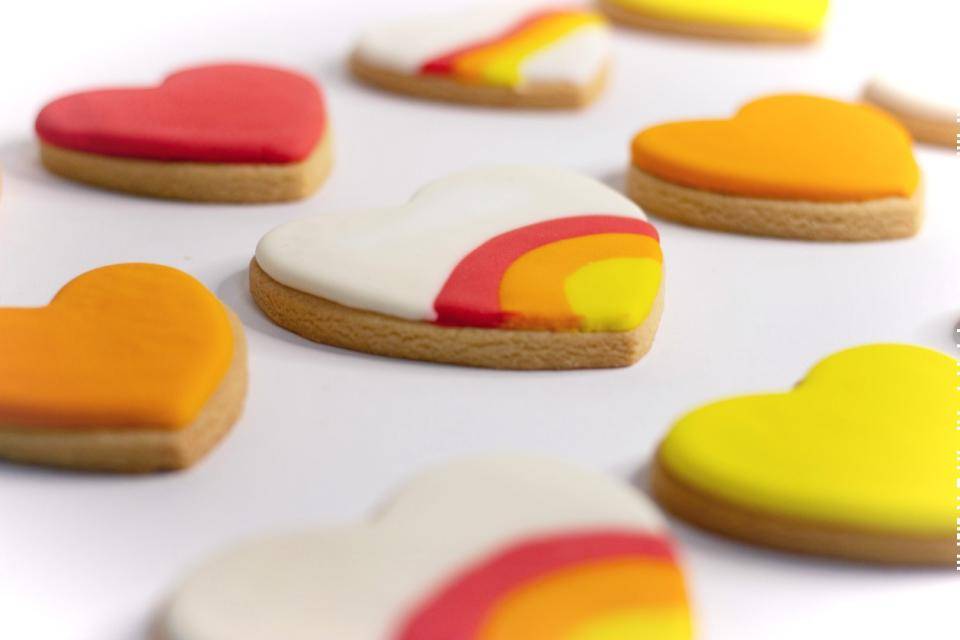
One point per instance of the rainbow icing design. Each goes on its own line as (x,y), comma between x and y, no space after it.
(567,273)
(507,247)
(488,548)
(597,585)
(498,60)
(504,45)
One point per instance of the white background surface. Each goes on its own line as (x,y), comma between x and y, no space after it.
(328,433)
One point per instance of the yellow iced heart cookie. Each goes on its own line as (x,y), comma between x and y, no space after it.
(857,461)
(777,20)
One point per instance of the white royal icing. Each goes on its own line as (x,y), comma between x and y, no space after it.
(929,96)
(358,583)
(406,45)
(395,261)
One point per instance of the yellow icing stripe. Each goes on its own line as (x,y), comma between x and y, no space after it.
(615,294)
(671,624)
(802,15)
(601,282)
(499,63)
(866,440)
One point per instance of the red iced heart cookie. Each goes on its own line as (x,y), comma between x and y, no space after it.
(220,113)
(219,117)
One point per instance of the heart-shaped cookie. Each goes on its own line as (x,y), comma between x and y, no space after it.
(788,165)
(779,20)
(131,367)
(506,548)
(232,132)
(919,98)
(518,54)
(857,461)
(515,267)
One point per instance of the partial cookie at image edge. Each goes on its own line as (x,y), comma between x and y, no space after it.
(639,20)
(138,450)
(784,533)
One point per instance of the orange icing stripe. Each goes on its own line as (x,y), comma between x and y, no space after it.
(533,292)
(498,60)
(786,146)
(123,346)
(554,605)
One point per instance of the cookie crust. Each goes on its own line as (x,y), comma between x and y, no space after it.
(322,320)
(792,534)
(923,129)
(137,450)
(880,219)
(243,183)
(640,20)
(534,95)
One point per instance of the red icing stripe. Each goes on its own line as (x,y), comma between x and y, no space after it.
(471,295)
(444,63)
(219,113)
(459,609)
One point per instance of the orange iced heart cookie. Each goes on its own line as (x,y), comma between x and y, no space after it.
(131,367)
(786,165)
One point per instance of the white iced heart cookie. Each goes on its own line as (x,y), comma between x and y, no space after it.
(505,548)
(924,100)
(516,54)
(512,267)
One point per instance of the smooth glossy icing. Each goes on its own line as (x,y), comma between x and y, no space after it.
(123,346)
(866,440)
(520,247)
(219,113)
(473,550)
(505,44)
(786,146)
(796,15)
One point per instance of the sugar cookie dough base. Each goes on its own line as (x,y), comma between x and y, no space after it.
(137,451)
(942,133)
(792,534)
(880,219)
(640,20)
(324,321)
(197,181)
(540,96)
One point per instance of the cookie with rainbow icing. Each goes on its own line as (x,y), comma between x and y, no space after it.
(131,367)
(921,99)
(506,548)
(519,54)
(857,461)
(792,166)
(757,20)
(508,267)
(221,133)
